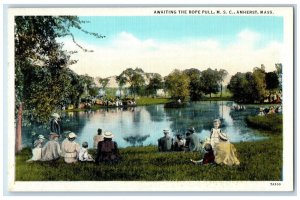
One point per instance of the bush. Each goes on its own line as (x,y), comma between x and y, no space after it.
(272,122)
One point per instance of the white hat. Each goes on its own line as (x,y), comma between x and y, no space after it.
(41,137)
(108,134)
(55,115)
(223,136)
(72,135)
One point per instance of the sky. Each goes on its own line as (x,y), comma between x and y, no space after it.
(163,43)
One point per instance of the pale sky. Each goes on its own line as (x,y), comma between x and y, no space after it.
(162,43)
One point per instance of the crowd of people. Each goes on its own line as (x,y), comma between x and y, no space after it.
(270,110)
(217,147)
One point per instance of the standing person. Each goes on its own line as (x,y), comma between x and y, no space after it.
(54,124)
(107,150)
(51,151)
(192,140)
(165,143)
(70,149)
(98,138)
(83,153)
(37,150)
(225,152)
(214,134)
(208,157)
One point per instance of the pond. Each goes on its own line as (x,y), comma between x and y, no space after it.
(143,125)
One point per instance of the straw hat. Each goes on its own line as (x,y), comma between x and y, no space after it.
(223,136)
(72,135)
(41,137)
(55,115)
(108,134)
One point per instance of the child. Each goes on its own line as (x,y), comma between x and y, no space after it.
(208,156)
(83,153)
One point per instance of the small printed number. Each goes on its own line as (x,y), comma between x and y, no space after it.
(275,184)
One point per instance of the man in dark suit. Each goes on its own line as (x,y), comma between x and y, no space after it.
(165,143)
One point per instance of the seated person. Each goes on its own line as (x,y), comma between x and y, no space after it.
(70,149)
(165,143)
(83,153)
(107,150)
(225,152)
(208,157)
(179,143)
(37,150)
(192,140)
(51,151)
(97,138)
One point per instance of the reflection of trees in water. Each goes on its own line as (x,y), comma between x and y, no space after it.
(157,113)
(136,140)
(197,115)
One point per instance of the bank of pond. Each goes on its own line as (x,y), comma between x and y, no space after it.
(259,161)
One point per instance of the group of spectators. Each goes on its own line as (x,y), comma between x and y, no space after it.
(70,150)
(270,110)
(217,147)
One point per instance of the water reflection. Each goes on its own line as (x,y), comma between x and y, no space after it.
(143,125)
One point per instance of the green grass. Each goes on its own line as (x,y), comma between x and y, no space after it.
(260,160)
(271,122)
(143,101)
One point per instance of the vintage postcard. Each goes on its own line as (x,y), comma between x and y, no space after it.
(150,99)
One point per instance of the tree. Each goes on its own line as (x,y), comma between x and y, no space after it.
(135,79)
(195,86)
(210,81)
(259,75)
(155,83)
(39,65)
(177,84)
(121,80)
(222,73)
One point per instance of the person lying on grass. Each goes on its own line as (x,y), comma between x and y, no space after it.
(208,158)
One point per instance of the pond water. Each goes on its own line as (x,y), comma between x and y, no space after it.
(143,125)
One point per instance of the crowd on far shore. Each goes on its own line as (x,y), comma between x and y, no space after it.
(217,148)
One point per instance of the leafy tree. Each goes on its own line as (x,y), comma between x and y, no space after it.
(195,86)
(272,81)
(210,81)
(222,73)
(135,79)
(40,62)
(259,75)
(155,83)
(177,84)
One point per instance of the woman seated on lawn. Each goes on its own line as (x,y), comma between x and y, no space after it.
(37,150)
(225,152)
(107,150)
(208,157)
(51,151)
(70,149)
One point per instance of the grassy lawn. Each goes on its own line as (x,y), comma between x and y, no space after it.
(260,160)
(142,101)
(271,122)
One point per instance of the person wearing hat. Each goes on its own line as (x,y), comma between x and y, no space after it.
(37,149)
(51,151)
(192,140)
(225,152)
(70,148)
(84,156)
(54,124)
(165,142)
(107,150)
(215,132)
(97,138)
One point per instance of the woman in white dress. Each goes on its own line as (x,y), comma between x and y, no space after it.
(215,133)
(37,150)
